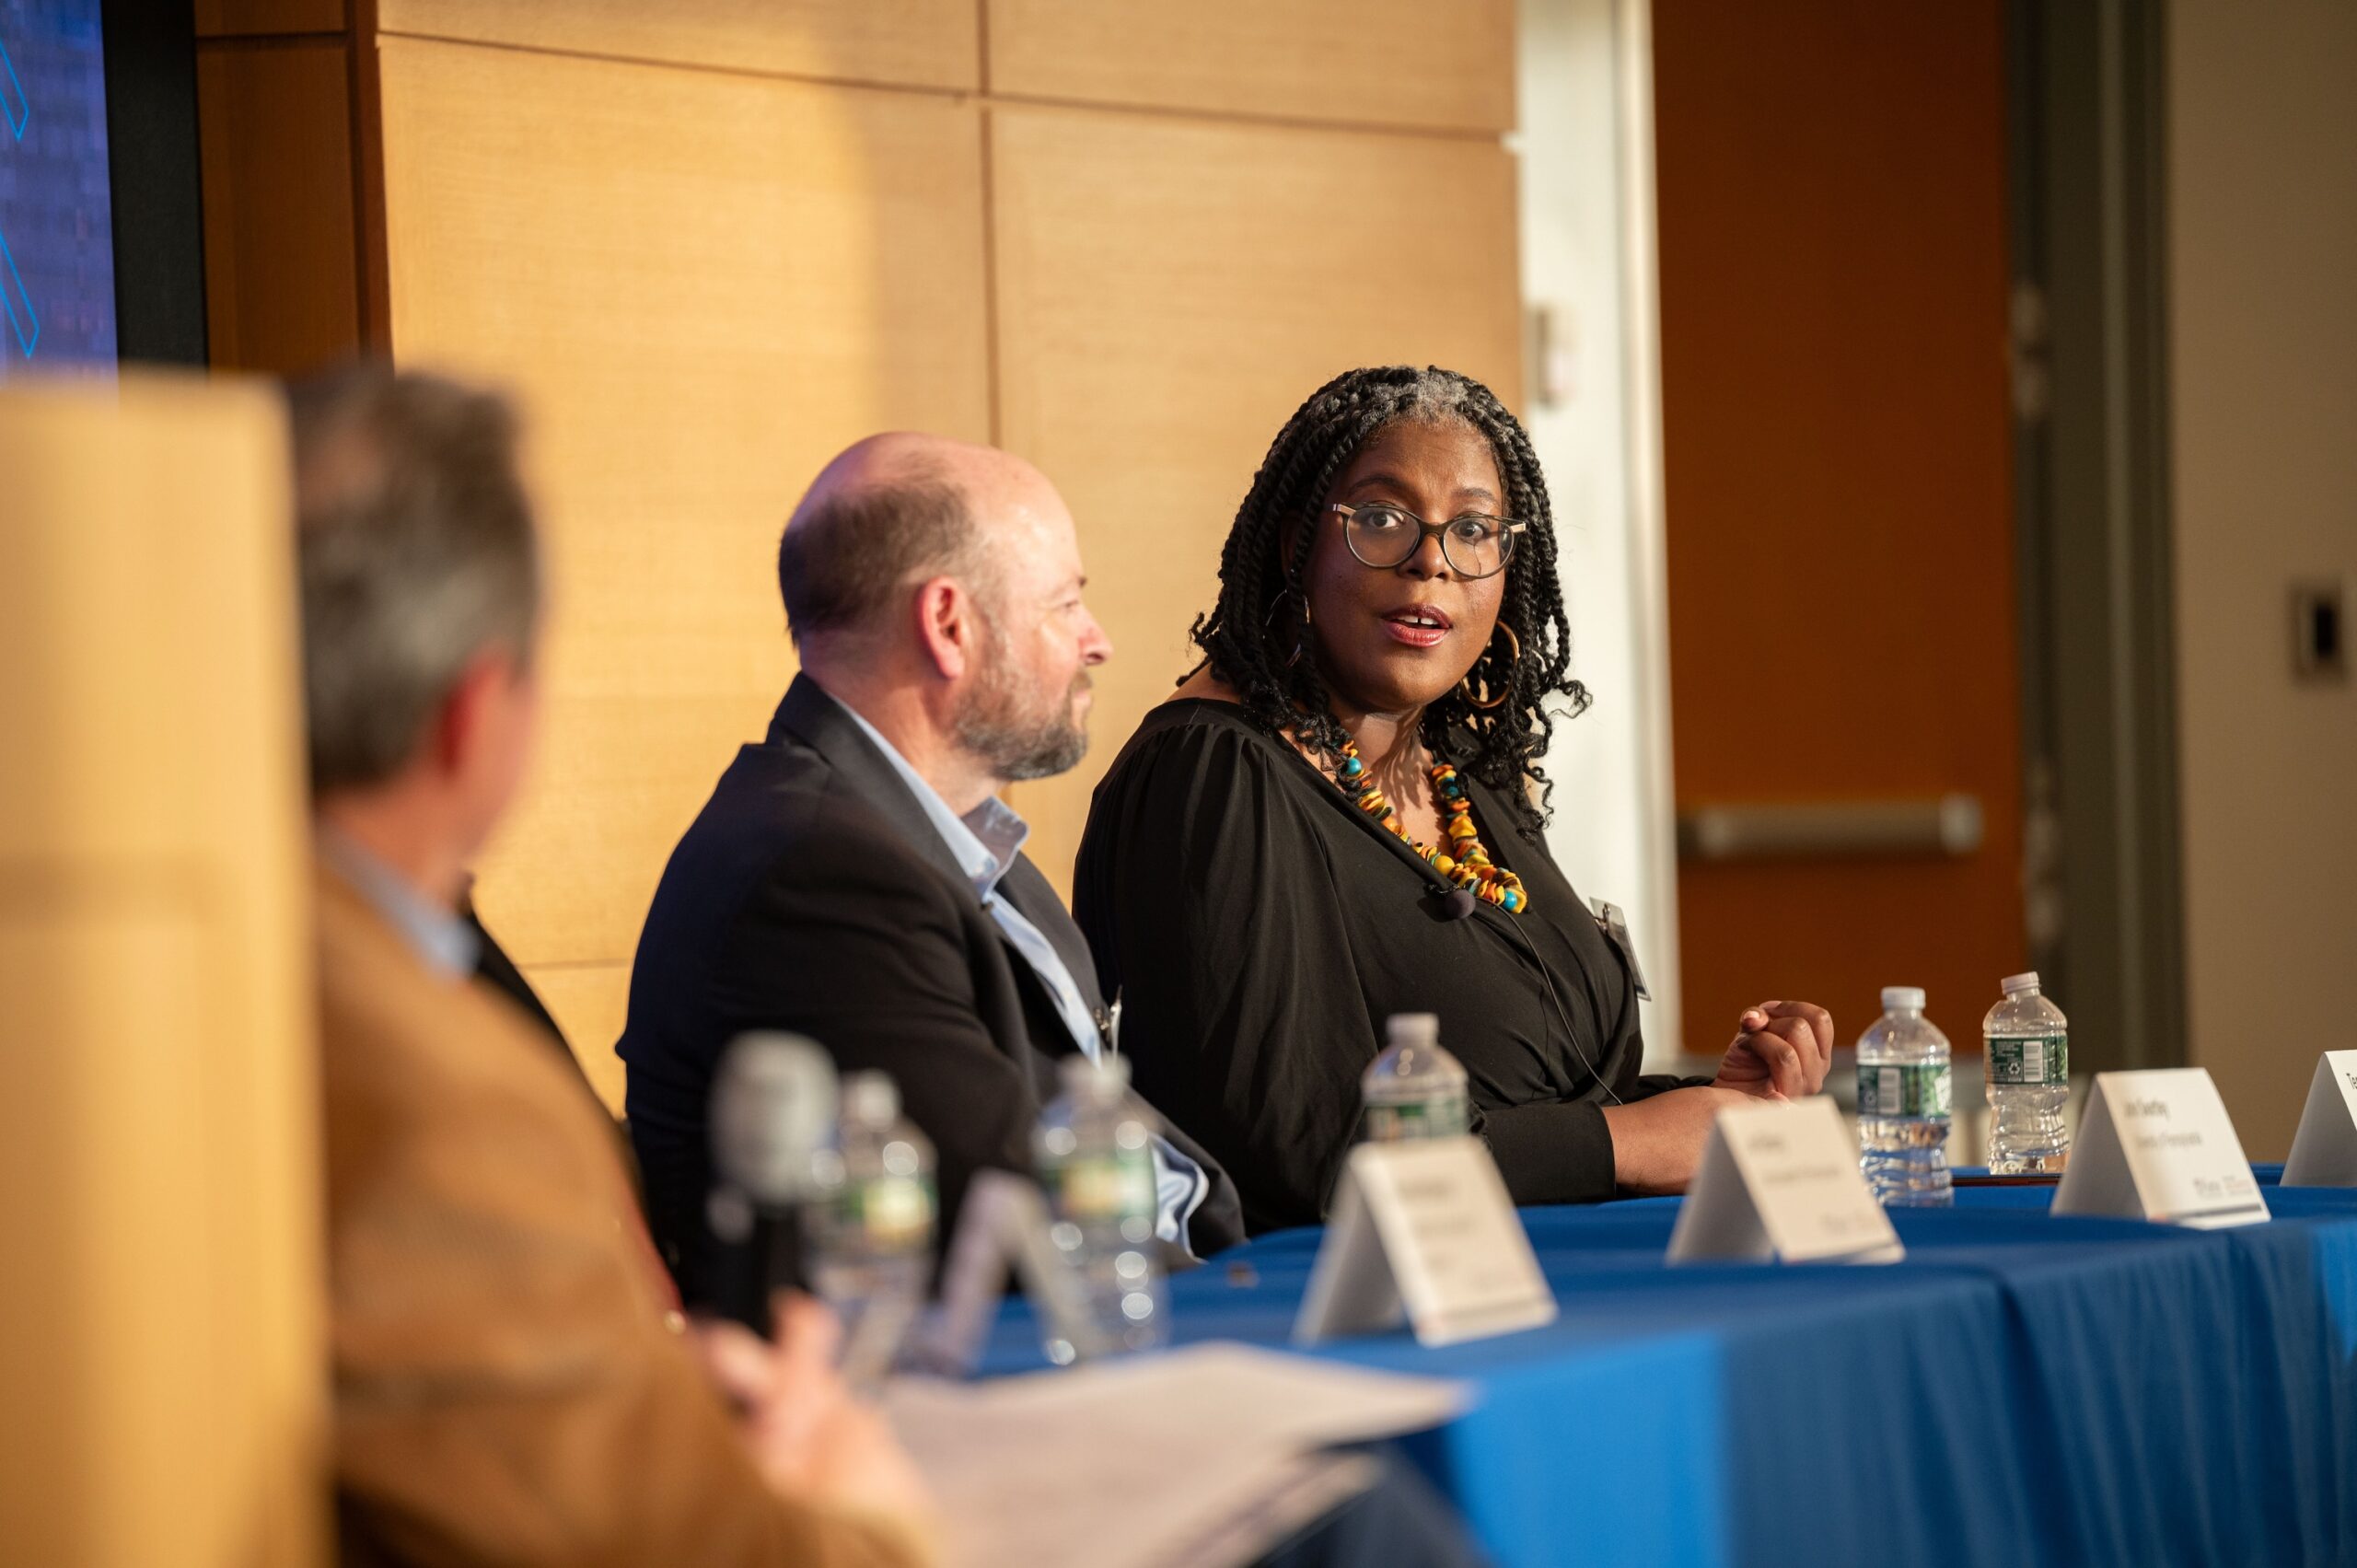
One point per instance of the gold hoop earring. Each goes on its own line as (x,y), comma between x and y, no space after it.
(1493,696)
(1276,607)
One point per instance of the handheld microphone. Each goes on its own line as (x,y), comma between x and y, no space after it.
(773,1114)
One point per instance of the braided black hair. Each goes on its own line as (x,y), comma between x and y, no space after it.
(1253,633)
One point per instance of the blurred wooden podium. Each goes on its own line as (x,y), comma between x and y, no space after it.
(162,1392)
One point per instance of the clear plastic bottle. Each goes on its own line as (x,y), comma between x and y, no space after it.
(1903,1098)
(1096,1152)
(2029,1080)
(1415,1089)
(871,1231)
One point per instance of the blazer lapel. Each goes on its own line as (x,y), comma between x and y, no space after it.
(1027,891)
(810,718)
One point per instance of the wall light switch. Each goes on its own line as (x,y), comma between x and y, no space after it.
(2319,634)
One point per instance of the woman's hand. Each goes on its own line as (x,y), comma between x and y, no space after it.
(1780,1052)
(1657,1141)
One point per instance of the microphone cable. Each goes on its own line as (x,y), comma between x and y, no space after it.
(1455,903)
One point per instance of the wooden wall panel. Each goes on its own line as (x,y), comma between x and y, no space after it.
(162,1313)
(589,1003)
(905,42)
(281,271)
(1406,63)
(702,286)
(1169,292)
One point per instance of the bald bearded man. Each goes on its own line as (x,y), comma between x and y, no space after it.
(854,876)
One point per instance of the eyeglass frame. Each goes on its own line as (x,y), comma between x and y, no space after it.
(1507,529)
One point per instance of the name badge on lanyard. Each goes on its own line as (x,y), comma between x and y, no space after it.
(1616,929)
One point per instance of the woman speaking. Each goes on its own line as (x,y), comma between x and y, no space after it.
(1337,818)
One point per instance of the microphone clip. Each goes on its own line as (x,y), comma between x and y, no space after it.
(1455,903)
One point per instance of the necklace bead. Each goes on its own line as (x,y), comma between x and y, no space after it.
(1459,857)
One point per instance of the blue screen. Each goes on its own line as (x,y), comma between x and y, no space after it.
(56,218)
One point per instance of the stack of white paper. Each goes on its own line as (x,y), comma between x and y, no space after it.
(1203,1455)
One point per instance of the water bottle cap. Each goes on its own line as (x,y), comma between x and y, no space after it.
(2016,983)
(871,1099)
(1084,1072)
(1903,998)
(1413,1028)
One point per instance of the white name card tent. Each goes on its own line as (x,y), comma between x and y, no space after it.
(1003,1225)
(2324,1150)
(2158,1146)
(1782,1182)
(1423,1229)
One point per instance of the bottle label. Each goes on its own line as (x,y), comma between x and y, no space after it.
(1106,1188)
(2043,1060)
(1443,1116)
(891,1211)
(1908,1089)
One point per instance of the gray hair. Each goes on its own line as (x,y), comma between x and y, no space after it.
(416,553)
(842,563)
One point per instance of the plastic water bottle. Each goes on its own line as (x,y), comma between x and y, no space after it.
(1096,1153)
(1415,1089)
(2029,1079)
(1903,1103)
(871,1231)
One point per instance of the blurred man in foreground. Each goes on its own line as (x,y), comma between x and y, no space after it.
(508,1386)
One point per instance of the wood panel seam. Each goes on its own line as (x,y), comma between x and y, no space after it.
(991,400)
(991,367)
(230,43)
(1258,119)
(982,99)
(367,187)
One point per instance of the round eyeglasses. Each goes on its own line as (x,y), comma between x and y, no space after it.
(1384,535)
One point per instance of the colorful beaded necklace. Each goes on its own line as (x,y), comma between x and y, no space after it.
(1465,862)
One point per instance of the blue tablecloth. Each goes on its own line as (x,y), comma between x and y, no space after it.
(2023,1388)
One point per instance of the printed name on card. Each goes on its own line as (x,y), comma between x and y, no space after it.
(1423,1229)
(2158,1146)
(2324,1151)
(1782,1182)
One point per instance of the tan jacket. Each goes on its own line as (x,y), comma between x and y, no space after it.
(507,1387)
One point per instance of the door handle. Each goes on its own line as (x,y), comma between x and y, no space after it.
(1947,825)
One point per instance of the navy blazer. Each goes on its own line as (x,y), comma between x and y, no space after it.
(812,894)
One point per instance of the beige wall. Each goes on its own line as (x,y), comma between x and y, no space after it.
(2262,279)
(712,242)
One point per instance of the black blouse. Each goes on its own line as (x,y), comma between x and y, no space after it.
(1259,928)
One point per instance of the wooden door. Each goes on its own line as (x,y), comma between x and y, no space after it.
(1838,489)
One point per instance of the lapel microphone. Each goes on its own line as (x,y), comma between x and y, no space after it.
(1459,904)
(1445,904)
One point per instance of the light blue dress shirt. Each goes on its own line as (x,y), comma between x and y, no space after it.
(984,843)
(437,934)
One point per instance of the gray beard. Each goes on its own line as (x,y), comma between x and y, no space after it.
(1018,745)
